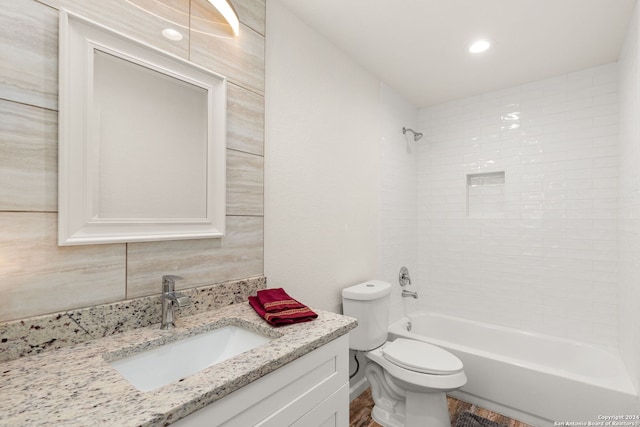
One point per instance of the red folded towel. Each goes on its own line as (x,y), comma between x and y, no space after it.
(277,299)
(286,316)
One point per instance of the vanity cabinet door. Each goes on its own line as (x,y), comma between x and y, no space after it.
(311,390)
(332,412)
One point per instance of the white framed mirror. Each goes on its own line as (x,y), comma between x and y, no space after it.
(142,141)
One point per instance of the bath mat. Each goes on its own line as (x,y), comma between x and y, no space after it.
(467,419)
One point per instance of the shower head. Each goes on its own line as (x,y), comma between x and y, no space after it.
(416,135)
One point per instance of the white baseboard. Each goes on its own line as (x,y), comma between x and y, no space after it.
(356,388)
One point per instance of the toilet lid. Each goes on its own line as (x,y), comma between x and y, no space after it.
(422,357)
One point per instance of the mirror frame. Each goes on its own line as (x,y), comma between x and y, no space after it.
(79,221)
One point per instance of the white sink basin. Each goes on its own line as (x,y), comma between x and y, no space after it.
(167,363)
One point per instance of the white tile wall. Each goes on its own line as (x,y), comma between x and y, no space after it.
(629,203)
(398,201)
(548,263)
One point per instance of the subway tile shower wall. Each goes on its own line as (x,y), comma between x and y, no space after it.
(547,261)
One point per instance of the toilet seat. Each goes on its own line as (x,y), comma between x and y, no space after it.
(419,356)
(415,381)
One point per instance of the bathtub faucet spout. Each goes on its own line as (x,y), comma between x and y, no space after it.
(406,293)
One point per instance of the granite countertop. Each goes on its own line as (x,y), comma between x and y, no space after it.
(76,385)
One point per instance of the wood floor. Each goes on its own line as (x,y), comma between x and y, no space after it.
(360,412)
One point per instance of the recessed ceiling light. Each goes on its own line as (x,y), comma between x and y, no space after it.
(479,46)
(172,34)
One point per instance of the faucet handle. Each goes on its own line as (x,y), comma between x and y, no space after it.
(403,277)
(169,282)
(182,300)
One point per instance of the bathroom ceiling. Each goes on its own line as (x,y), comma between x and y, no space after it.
(419,47)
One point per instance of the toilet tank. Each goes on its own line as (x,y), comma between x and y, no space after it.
(369,303)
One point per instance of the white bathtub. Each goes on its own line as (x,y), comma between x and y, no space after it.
(535,378)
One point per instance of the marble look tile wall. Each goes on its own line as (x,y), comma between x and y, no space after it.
(245,120)
(253,14)
(143,20)
(29,134)
(240,58)
(199,261)
(244,184)
(38,276)
(29,52)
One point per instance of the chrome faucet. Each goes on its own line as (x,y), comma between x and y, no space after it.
(406,293)
(170,298)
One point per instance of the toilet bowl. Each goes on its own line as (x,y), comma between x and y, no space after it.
(408,378)
(418,375)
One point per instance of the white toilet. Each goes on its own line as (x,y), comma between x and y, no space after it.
(408,378)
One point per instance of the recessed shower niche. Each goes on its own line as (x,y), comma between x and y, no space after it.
(141,141)
(485,195)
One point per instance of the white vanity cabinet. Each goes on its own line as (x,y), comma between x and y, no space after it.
(313,390)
